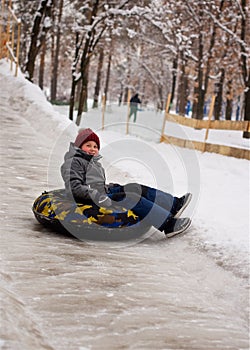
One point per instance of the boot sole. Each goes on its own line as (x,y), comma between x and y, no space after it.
(174,233)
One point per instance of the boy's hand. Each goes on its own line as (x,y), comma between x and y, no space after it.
(101,200)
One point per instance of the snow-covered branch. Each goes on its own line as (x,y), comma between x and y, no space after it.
(228,31)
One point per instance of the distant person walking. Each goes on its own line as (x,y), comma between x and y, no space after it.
(134,101)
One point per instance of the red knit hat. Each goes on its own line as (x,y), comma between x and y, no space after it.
(86,135)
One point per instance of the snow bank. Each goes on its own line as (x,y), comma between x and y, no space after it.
(30,100)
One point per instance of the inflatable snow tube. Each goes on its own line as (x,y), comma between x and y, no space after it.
(55,210)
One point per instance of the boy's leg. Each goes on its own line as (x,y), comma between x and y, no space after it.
(147,210)
(165,200)
(162,199)
(175,205)
(115,189)
(134,196)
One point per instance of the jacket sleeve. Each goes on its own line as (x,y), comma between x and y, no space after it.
(74,173)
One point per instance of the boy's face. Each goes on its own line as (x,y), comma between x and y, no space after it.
(90,147)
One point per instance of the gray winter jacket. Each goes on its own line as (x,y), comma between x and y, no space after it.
(83,175)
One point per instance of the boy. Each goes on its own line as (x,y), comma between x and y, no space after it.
(84,179)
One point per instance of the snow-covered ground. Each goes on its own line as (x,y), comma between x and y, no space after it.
(220,184)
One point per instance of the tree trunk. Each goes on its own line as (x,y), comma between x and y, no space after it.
(229,102)
(98,79)
(219,96)
(199,107)
(183,88)
(174,76)
(199,91)
(210,50)
(108,75)
(121,94)
(195,99)
(125,96)
(245,68)
(56,56)
(83,100)
(83,106)
(229,109)
(85,60)
(73,81)
(34,46)
(72,99)
(52,59)
(246,134)
(52,52)
(125,100)
(42,64)
(184,96)
(160,104)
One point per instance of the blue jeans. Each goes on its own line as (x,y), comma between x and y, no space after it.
(155,207)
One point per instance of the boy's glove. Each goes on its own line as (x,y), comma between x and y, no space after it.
(101,200)
(104,201)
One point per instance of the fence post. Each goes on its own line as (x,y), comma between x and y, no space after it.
(1,29)
(18,45)
(211,111)
(12,26)
(165,115)
(8,30)
(128,102)
(103,109)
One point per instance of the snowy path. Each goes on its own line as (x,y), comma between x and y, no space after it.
(59,293)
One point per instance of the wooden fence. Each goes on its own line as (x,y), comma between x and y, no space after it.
(206,124)
(10,33)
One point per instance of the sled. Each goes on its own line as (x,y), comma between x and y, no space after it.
(54,210)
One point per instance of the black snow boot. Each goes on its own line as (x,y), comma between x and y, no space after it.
(176,226)
(182,204)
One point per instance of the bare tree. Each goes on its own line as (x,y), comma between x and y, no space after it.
(42,64)
(106,89)
(40,28)
(56,51)
(89,45)
(245,64)
(98,78)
